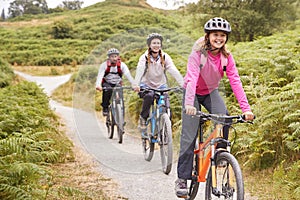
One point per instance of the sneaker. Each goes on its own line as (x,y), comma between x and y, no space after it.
(105,112)
(181,188)
(142,123)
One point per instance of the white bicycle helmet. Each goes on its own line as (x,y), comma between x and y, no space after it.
(217,24)
(113,51)
(152,36)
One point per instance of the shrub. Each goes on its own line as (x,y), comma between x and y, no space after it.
(62,30)
(6,75)
(29,140)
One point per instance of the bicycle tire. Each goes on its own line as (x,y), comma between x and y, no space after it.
(166,144)
(227,171)
(110,124)
(148,145)
(194,184)
(119,122)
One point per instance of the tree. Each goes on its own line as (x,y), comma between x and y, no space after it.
(250,19)
(20,7)
(3,15)
(72,5)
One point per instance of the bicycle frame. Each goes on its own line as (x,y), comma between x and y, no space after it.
(116,112)
(157,111)
(117,96)
(215,160)
(205,161)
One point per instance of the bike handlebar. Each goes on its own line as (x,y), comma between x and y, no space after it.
(161,90)
(222,118)
(116,88)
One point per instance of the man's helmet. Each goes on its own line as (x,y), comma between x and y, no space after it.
(152,36)
(113,51)
(217,24)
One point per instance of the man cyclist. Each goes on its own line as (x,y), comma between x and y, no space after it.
(110,75)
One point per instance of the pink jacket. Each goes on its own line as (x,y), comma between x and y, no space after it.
(209,79)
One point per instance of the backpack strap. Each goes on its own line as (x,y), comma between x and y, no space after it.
(203,60)
(224,62)
(108,66)
(119,67)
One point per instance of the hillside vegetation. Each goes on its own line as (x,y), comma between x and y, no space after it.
(37,159)
(269,68)
(67,38)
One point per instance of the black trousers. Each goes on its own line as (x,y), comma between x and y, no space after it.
(106,94)
(214,103)
(148,100)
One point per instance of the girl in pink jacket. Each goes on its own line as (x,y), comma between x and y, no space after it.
(201,88)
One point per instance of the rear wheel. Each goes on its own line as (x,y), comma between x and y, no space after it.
(166,147)
(229,179)
(193,184)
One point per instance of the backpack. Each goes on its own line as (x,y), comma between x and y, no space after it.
(107,70)
(203,60)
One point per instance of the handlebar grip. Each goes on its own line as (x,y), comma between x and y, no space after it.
(244,117)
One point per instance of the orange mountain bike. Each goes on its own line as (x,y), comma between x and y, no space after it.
(216,166)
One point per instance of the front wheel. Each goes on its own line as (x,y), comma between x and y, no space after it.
(229,179)
(120,122)
(110,124)
(148,148)
(166,147)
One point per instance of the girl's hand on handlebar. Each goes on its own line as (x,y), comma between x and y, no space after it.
(190,110)
(249,116)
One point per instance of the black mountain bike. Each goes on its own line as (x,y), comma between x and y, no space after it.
(116,113)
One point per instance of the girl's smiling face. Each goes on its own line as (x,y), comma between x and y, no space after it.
(217,39)
(155,45)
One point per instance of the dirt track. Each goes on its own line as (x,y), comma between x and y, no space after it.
(124,163)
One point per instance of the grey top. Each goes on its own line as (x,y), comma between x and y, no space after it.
(154,76)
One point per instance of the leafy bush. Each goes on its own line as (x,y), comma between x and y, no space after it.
(286,180)
(62,30)
(6,74)
(29,141)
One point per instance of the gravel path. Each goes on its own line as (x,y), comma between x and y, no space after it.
(124,163)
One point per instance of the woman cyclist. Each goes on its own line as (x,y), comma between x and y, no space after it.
(151,73)
(201,88)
